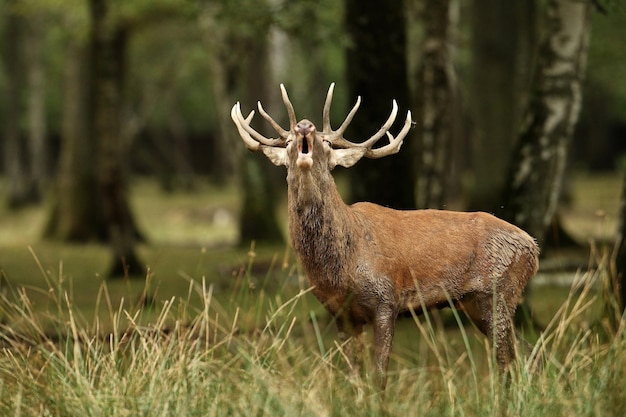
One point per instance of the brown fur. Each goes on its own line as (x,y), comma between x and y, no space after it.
(369,263)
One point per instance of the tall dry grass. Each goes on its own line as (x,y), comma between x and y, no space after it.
(260,353)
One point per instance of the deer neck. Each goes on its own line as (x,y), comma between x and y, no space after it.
(319,227)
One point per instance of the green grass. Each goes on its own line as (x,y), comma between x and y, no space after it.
(190,236)
(262,351)
(205,217)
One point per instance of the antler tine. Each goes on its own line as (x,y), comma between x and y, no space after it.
(290,110)
(341,142)
(326,113)
(282,132)
(336,136)
(394,143)
(346,123)
(235,114)
(247,133)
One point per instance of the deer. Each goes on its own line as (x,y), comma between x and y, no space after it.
(367,263)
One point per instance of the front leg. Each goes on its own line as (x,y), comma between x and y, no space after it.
(384,327)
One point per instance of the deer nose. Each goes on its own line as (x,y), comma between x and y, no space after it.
(305,127)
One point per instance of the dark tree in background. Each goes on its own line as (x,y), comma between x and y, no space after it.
(241,68)
(108,43)
(538,161)
(77,213)
(91,201)
(436,114)
(376,70)
(223,68)
(258,217)
(502,33)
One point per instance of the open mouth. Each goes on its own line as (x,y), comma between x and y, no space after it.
(305,152)
(305,131)
(304,146)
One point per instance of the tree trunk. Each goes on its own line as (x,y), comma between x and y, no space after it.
(376,70)
(494,100)
(76,213)
(257,220)
(108,50)
(258,217)
(225,65)
(536,172)
(240,62)
(436,103)
(224,141)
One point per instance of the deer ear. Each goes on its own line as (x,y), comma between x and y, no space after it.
(278,156)
(346,157)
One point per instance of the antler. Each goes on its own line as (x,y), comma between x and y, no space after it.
(254,139)
(334,135)
(240,122)
(394,143)
(292,115)
(247,133)
(337,139)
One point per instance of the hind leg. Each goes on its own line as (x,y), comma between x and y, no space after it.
(494,317)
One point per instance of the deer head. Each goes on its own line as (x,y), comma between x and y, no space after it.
(303,147)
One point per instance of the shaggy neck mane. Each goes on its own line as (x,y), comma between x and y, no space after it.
(319,227)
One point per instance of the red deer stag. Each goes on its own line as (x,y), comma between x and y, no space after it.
(369,263)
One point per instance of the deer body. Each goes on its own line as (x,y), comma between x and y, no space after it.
(369,263)
(416,259)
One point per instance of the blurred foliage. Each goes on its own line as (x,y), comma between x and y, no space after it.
(170,52)
(169,55)
(166,73)
(607,54)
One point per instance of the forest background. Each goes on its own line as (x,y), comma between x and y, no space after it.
(144,265)
(112,109)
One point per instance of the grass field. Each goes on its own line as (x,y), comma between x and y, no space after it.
(217,330)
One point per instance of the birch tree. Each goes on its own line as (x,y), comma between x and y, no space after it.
(538,163)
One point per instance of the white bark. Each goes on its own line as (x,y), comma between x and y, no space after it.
(539,163)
